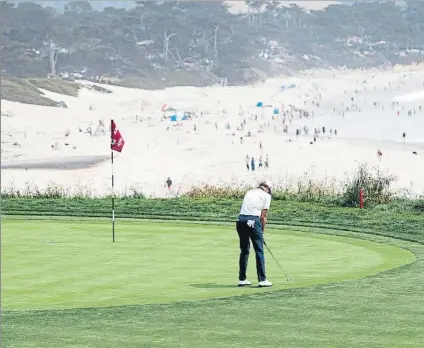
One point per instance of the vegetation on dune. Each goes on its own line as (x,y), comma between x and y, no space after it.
(22,91)
(27,90)
(56,85)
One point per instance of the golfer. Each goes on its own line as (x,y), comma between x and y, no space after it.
(250,227)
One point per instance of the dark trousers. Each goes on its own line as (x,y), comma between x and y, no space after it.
(246,234)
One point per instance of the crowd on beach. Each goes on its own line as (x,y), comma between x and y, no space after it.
(254,122)
(251,163)
(313,114)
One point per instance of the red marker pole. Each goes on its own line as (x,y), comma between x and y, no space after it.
(361,198)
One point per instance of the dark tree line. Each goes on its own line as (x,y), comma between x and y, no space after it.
(204,38)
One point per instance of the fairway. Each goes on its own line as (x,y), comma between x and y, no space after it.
(74,264)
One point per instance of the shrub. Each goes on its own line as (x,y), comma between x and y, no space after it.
(418,206)
(376,186)
(207,191)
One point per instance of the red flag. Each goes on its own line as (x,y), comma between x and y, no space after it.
(117,141)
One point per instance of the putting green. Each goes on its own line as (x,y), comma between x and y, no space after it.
(69,264)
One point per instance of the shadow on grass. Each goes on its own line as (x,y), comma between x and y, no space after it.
(213,286)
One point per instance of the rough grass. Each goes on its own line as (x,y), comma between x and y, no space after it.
(387,219)
(26,90)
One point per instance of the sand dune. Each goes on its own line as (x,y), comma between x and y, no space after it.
(369,109)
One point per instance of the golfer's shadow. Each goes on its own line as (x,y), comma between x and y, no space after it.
(213,286)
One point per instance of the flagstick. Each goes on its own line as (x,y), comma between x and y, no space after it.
(113,194)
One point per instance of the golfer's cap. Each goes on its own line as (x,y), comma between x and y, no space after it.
(266,184)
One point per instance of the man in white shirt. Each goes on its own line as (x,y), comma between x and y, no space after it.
(250,226)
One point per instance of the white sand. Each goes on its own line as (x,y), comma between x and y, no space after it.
(157,148)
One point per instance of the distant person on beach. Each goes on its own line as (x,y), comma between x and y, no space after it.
(252,164)
(379,154)
(168,183)
(266,161)
(247,162)
(404,137)
(260,162)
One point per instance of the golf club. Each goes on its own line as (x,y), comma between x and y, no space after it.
(282,270)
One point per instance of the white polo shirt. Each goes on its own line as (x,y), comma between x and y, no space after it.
(254,201)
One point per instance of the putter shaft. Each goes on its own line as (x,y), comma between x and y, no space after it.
(276,261)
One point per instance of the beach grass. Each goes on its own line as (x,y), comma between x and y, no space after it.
(26,91)
(56,85)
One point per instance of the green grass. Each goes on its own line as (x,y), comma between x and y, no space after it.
(26,90)
(163,262)
(383,310)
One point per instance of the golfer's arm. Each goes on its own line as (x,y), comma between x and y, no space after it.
(263,217)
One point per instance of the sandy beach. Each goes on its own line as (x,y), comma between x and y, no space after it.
(362,112)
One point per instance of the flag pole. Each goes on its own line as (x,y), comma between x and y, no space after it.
(113,184)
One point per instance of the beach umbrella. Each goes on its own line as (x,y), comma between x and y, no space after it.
(169,109)
(259,104)
(276,111)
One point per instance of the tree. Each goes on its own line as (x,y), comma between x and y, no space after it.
(203,38)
